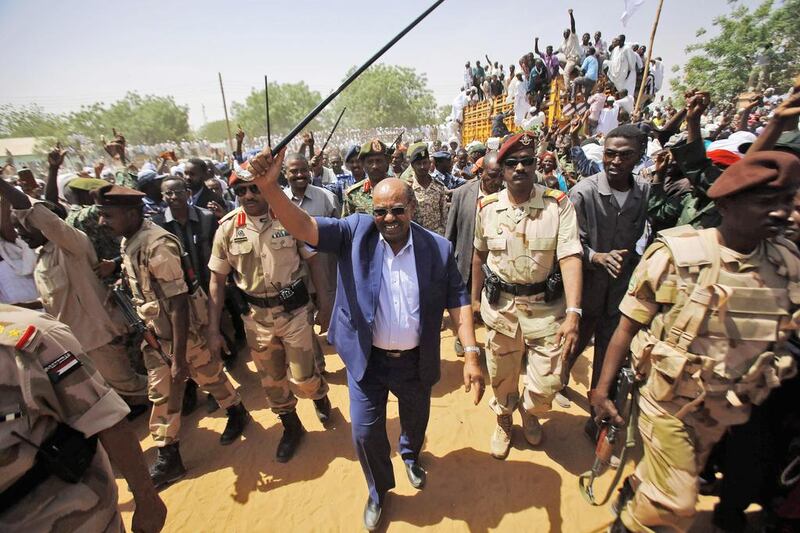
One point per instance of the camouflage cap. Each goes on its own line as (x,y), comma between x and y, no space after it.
(373,147)
(117,196)
(789,141)
(417,151)
(86,184)
(778,170)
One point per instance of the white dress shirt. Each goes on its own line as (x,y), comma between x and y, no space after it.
(397,319)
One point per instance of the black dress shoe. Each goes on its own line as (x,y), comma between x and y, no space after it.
(323,409)
(416,475)
(372,515)
(189,398)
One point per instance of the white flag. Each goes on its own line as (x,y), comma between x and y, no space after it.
(630,8)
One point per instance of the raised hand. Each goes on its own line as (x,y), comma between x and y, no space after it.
(56,156)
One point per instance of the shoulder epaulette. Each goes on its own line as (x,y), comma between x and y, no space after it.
(230,214)
(486,200)
(559,196)
(355,186)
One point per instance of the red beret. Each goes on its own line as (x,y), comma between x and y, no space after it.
(723,158)
(779,170)
(117,196)
(240,173)
(526,139)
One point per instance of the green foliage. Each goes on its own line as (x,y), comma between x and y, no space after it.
(288,104)
(214,131)
(387,95)
(722,64)
(142,119)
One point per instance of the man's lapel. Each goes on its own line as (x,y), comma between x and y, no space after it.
(423,257)
(375,271)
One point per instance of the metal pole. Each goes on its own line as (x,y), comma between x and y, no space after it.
(225,107)
(317,110)
(266,97)
(336,125)
(647,62)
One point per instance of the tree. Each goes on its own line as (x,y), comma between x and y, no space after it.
(387,95)
(722,64)
(214,131)
(29,121)
(288,104)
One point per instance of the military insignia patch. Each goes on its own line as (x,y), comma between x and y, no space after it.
(280,233)
(239,236)
(63,366)
(526,139)
(376,145)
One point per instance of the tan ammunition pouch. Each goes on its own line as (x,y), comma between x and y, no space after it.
(700,303)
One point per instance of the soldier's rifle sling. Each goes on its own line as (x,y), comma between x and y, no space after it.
(322,105)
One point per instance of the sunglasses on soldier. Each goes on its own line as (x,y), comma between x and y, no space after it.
(513,162)
(241,190)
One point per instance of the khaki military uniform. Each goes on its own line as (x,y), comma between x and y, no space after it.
(46,379)
(358,198)
(523,244)
(71,292)
(713,346)
(264,258)
(152,268)
(432,205)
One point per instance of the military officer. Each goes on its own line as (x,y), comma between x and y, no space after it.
(55,400)
(523,234)
(375,160)
(431,195)
(151,262)
(706,319)
(266,262)
(71,292)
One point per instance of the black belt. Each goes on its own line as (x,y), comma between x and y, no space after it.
(395,354)
(518,289)
(266,302)
(26,484)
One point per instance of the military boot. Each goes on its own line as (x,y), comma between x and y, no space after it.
(167,467)
(238,417)
(323,409)
(501,438)
(292,433)
(531,427)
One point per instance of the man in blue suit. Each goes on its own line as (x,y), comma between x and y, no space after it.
(395,281)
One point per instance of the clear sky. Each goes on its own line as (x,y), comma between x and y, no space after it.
(65,53)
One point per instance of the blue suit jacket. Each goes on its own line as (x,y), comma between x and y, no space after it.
(354,239)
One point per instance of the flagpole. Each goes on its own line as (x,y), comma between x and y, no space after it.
(225,106)
(649,55)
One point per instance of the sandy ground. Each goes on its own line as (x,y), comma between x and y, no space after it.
(241,488)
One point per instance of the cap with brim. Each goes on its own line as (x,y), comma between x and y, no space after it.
(240,174)
(779,170)
(147,176)
(739,141)
(417,151)
(352,152)
(441,154)
(789,141)
(526,139)
(117,196)
(723,158)
(86,184)
(374,147)
(476,146)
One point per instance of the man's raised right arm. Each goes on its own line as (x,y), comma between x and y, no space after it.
(266,170)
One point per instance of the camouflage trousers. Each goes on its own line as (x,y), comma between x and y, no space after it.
(206,370)
(506,357)
(114,365)
(282,347)
(677,438)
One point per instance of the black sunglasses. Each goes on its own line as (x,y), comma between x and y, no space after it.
(382,211)
(512,163)
(242,190)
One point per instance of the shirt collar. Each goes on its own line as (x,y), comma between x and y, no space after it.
(408,245)
(192,215)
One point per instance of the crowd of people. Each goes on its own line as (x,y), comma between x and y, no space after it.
(663,235)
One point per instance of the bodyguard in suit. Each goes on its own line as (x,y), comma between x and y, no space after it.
(395,280)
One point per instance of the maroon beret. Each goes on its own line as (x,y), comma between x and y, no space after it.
(780,170)
(526,139)
(117,196)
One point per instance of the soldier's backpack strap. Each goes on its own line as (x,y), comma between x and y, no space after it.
(784,254)
(686,248)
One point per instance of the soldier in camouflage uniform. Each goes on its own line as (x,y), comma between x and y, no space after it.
(266,259)
(706,319)
(51,392)
(85,216)
(522,233)
(358,197)
(151,262)
(431,195)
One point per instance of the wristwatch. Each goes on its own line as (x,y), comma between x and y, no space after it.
(474,349)
(577,310)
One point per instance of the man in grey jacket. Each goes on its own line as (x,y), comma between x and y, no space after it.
(612,211)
